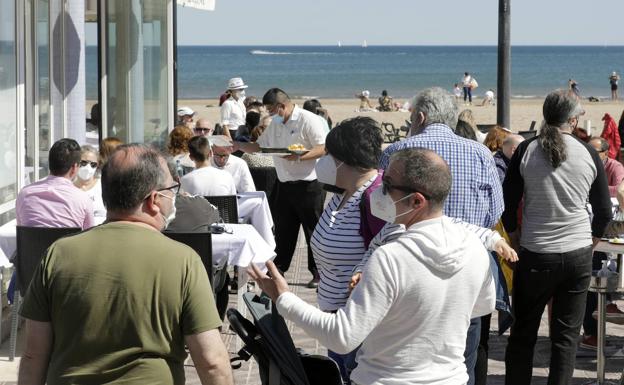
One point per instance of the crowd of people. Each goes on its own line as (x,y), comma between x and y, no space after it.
(475,217)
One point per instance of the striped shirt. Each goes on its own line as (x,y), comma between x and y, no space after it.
(476,195)
(338,247)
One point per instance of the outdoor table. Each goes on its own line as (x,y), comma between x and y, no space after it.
(602,289)
(253,207)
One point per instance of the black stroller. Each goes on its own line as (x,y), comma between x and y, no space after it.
(269,342)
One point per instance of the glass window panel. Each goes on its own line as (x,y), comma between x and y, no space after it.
(43,75)
(137,85)
(8,105)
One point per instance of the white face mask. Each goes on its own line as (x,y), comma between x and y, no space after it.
(383,207)
(169,218)
(326,170)
(86,172)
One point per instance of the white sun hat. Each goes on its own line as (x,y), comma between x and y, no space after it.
(365,93)
(236,84)
(183,111)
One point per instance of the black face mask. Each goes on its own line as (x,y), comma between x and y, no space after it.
(333,189)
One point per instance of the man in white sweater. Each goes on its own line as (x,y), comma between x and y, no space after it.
(399,312)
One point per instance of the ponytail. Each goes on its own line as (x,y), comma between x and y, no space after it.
(553,145)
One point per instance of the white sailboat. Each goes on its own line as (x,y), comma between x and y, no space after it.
(364,44)
(339,44)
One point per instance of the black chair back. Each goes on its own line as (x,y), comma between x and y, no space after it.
(264,178)
(227,205)
(200,242)
(32,243)
(527,134)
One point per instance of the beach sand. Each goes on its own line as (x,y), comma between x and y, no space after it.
(523,111)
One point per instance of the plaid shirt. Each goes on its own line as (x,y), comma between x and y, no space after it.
(476,195)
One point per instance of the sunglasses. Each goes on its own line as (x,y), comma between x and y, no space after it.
(386,187)
(86,162)
(221,156)
(202,130)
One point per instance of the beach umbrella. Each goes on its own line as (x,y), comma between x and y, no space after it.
(206,5)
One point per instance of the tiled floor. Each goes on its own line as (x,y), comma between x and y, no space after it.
(298,276)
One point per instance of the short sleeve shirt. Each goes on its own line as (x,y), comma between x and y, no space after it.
(304,128)
(233,112)
(120,299)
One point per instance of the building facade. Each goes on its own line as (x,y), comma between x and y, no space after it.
(43,74)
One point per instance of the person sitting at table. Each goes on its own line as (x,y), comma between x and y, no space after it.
(406,333)
(206,180)
(177,147)
(235,166)
(54,201)
(107,147)
(87,181)
(255,160)
(613,168)
(124,313)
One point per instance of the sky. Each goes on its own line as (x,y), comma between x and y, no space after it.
(401,22)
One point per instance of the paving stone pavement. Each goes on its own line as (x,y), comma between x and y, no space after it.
(298,277)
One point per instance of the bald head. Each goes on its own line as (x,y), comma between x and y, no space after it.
(426,172)
(203,127)
(130,174)
(510,143)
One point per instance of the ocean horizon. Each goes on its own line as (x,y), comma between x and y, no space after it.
(324,71)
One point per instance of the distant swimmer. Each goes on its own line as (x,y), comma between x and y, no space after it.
(613,80)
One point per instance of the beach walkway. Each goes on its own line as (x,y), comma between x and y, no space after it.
(298,276)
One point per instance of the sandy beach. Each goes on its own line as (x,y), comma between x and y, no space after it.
(523,111)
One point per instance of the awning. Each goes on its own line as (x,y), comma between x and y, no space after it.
(207,5)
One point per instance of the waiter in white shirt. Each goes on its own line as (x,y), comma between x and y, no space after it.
(299,197)
(233,111)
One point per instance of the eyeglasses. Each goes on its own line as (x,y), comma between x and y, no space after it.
(175,189)
(221,156)
(202,130)
(386,187)
(86,162)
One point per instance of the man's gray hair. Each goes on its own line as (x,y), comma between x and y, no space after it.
(437,105)
(130,175)
(560,106)
(425,172)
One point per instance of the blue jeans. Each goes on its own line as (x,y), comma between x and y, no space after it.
(468,94)
(472,345)
(346,363)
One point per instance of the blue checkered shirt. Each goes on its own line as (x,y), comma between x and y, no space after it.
(476,195)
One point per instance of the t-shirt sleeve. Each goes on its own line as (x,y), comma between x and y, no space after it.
(199,312)
(315,132)
(36,305)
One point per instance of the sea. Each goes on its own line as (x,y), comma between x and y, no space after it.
(343,71)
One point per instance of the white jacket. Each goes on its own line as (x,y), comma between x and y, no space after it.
(412,308)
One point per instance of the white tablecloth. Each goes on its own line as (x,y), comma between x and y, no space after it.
(7,243)
(253,207)
(241,248)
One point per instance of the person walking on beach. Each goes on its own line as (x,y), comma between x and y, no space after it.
(613,80)
(574,87)
(467,84)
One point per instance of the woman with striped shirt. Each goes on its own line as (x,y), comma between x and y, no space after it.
(350,166)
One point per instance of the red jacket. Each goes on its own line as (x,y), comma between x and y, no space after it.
(610,134)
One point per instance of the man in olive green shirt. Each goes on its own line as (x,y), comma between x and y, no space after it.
(118,303)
